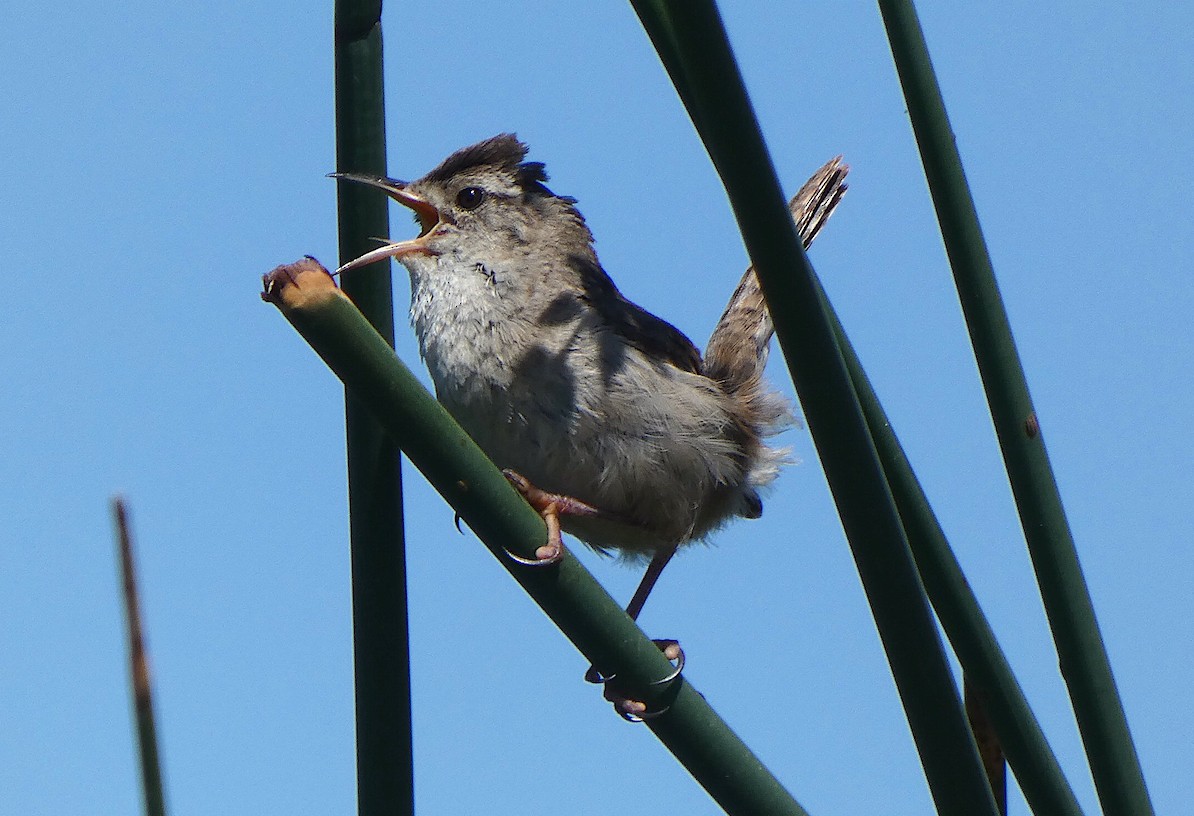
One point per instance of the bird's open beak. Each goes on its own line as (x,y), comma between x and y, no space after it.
(424,210)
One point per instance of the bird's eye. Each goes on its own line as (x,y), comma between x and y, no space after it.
(470,198)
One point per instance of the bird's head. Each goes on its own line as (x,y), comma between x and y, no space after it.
(483,200)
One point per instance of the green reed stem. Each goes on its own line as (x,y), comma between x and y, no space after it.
(692,44)
(1080,649)
(505,523)
(381,638)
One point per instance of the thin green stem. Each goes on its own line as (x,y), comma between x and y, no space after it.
(505,523)
(691,41)
(986,668)
(1083,656)
(381,640)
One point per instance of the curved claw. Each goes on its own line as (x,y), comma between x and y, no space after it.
(668,647)
(554,556)
(671,650)
(597,678)
(548,505)
(553,551)
(633,710)
(640,716)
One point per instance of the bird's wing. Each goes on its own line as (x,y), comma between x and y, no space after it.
(652,335)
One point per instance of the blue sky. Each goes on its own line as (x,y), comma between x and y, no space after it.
(158,159)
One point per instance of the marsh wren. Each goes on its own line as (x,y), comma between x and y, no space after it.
(606,417)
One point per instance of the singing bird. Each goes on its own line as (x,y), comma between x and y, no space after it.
(606,417)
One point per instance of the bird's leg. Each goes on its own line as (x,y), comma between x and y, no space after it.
(551,506)
(654,570)
(670,648)
(635,710)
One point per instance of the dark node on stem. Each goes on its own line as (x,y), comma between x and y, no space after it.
(1031,426)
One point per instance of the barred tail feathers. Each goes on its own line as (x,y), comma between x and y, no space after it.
(737,351)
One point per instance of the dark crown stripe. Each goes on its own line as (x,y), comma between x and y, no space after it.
(503,151)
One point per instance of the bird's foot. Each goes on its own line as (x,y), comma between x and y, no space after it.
(551,506)
(636,710)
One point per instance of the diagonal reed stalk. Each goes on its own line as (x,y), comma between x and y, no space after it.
(505,523)
(381,639)
(1084,664)
(147,735)
(692,44)
(1040,777)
